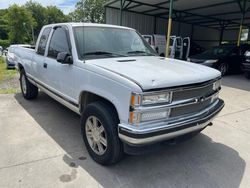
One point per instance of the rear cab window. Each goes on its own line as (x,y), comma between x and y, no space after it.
(43,41)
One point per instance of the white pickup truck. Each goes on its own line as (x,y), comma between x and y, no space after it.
(127,96)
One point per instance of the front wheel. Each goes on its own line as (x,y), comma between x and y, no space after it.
(99,125)
(223,68)
(29,91)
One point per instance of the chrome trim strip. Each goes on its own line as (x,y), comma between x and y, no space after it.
(167,123)
(150,140)
(60,100)
(38,83)
(148,135)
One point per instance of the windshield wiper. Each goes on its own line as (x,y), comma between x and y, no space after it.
(140,52)
(104,53)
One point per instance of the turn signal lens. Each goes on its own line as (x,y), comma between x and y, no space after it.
(135,100)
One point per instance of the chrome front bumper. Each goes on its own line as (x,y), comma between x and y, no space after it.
(165,130)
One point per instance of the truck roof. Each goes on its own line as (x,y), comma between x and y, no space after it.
(75,24)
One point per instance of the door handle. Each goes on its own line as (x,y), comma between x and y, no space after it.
(45,65)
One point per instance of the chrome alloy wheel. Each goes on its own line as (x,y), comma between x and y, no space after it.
(96,135)
(223,69)
(23,81)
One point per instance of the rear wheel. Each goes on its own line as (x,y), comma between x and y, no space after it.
(29,91)
(99,125)
(223,68)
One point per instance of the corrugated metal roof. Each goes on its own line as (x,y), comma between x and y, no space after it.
(210,13)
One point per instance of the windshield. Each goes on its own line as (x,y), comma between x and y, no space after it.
(219,51)
(105,42)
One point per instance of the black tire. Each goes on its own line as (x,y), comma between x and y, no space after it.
(223,68)
(109,119)
(31,91)
(247,75)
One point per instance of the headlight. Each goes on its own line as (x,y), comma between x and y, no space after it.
(211,61)
(10,58)
(157,98)
(140,117)
(217,85)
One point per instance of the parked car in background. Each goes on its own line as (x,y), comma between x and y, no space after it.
(10,58)
(195,49)
(128,97)
(5,51)
(1,50)
(226,58)
(158,43)
(246,65)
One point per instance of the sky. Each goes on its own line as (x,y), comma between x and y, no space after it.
(65,5)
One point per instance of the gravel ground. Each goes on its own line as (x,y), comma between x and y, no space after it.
(11,83)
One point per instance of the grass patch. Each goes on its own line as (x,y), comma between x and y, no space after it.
(9,91)
(5,74)
(5,77)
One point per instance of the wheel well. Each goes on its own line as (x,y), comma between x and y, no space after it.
(162,55)
(20,67)
(88,97)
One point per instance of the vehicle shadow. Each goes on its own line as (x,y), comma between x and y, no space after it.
(199,162)
(237,81)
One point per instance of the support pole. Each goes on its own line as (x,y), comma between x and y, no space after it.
(240,31)
(221,34)
(121,10)
(169,27)
(241,22)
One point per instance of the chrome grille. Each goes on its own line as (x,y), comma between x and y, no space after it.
(190,109)
(189,93)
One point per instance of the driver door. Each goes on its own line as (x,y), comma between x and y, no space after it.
(60,77)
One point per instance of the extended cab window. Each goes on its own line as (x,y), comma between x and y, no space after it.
(43,41)
(59,43)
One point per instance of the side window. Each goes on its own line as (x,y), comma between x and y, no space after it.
(58,43)
(43,41)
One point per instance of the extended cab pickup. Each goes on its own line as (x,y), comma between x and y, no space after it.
(127,96)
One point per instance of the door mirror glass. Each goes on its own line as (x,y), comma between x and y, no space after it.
(64,58)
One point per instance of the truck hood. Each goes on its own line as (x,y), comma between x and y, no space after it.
(151,72)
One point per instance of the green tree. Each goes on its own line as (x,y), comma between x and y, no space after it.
(19,21)
(3,25)
(38,13)
(55,15)
(89,11)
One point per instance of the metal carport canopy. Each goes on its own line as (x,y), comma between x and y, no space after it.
(215,14)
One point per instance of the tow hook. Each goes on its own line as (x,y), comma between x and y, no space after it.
(210,124)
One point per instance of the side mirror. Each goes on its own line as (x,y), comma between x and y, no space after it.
(64,58)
